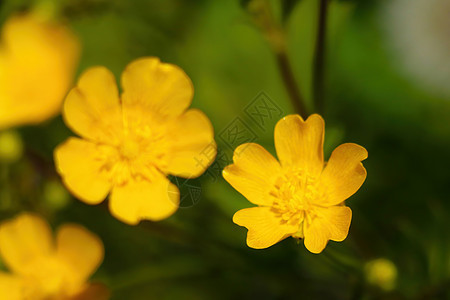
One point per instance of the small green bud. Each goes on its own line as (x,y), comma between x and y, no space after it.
(381,272)
(11,146)
(55,195)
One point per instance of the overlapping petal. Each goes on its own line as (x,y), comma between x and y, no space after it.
(92,109)
(79,164)
(265,228)
(300,143)
(43,269)
(331,223)
(343,175)
(23,240)
(141,199)
(80,250)
(252,173)
(160,87)
(192,146)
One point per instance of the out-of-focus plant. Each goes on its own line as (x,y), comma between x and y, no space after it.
(38,57)
(11,146)
(44,268)
(262,15)
(382,273)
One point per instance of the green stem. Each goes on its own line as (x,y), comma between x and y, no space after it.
(262,15)
(291,84)
(319,58)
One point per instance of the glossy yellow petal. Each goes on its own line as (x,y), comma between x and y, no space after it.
(37,63)
(78,164)
(144,200)
(331,223)
(264,227)
(92,109)
(252,173)
(11,287)
(343,175)
(81,250)
(23,240)
(300,144)
(93,291)
(192,146)
(159,87)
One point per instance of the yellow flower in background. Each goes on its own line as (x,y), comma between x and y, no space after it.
(299,196)
(37,64)
(130,144)
(46,268)
(381,272)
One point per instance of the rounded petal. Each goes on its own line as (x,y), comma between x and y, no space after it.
(264,227)
(163,88)
(343,175)
(331,223)
(80,249)
(138,200)
(252,173)
(81,170)
(23,240)
(192,146)
(94,291)
(299,143)
(11,287)
(92,108)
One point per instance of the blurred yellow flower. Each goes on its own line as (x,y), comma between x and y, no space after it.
(44,268)
(299,196)
(130,144)
(381,272)
(37,63)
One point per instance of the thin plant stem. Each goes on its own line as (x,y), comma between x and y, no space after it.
(262,15)
(319,58)
(290,83)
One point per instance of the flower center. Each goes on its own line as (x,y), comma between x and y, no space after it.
(295,192)
(140,151)
(129,149)
(48,277)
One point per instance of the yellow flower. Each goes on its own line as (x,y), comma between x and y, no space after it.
(46,268)
(381,272)
(37,62)
(130,144)
(299,196)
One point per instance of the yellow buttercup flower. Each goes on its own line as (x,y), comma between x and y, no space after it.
(131,144)
(44,268)
(299,196)
(37,64)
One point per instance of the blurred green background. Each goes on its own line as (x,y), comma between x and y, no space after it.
(401,213)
